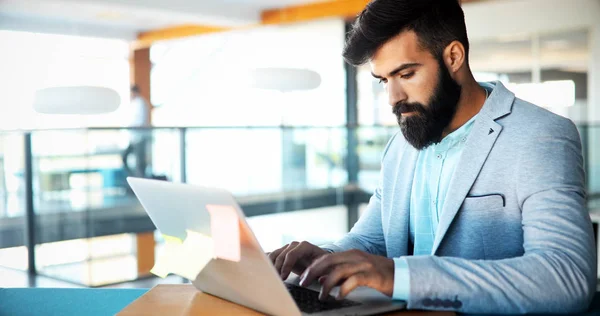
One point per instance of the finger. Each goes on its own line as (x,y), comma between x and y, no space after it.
(291,258)
(281,258)
(322,279)
(323,265)
(275,253)
(350,285)
(338,275)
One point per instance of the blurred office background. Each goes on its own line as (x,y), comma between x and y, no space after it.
(302,163)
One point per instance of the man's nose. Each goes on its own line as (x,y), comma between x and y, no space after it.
(395,94)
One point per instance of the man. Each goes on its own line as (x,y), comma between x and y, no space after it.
(138,116)
(480,204)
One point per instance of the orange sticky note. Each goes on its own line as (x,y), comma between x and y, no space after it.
(225,229)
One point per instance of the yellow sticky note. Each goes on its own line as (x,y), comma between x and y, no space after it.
(160,268)
(171,239)
(196,252)
(170,252)
(187,258)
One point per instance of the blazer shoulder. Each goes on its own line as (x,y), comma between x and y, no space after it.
(540,122)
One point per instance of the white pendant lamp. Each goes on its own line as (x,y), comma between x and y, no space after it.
(84,100)
(284,79)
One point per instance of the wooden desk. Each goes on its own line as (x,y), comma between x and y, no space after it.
(185,299)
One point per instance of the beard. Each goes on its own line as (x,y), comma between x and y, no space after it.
(425,126)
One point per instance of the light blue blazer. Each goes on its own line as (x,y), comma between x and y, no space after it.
(514,234)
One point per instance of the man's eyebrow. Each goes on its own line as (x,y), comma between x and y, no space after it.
(398,69)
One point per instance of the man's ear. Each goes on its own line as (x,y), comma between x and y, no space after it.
(454,56)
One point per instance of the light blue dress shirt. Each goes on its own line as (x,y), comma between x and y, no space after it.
(434,169)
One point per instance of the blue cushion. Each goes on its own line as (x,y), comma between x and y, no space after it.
(49,301)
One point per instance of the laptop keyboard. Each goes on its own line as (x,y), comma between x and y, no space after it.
(308,300)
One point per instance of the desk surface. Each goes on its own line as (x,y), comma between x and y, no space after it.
(184,299)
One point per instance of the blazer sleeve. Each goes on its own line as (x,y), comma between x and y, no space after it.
(556,274)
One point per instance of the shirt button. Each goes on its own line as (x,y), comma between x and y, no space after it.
(464,139)
(439,156)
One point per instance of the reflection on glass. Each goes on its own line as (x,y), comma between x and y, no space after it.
(266,160)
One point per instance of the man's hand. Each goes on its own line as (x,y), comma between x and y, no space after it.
(351,269)
(295,257)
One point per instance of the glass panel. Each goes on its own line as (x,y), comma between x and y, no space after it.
(372,142)
(508,59)
(564,58)
(317,226)
(593,163)
(13,254)
(266,160)
(373,105)
(81,195)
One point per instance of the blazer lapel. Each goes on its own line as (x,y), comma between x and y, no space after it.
(477,148)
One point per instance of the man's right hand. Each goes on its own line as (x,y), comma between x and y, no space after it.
(295,257)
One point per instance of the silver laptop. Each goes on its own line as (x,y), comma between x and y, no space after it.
(253,281)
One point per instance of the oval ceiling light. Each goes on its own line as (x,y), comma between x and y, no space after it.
(284,79)
(76,100)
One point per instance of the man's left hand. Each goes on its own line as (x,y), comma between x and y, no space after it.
(351,269)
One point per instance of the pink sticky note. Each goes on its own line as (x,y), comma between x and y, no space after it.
(225,230)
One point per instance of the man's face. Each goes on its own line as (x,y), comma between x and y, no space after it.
(421,91)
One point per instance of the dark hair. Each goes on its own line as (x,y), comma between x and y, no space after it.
(135,89)
(437,23)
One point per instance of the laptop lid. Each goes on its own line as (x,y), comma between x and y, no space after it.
(253,281)
(175,207)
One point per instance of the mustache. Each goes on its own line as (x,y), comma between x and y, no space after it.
(406,107)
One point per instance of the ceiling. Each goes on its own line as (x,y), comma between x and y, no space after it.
(126,18)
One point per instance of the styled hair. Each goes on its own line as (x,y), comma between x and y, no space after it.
(437,23)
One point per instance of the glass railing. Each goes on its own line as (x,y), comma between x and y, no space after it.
(80,200)
(250,161)
(591,153)
(78,188)
(81,170)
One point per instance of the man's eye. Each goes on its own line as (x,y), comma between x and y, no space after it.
(408,75)
(381,81)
